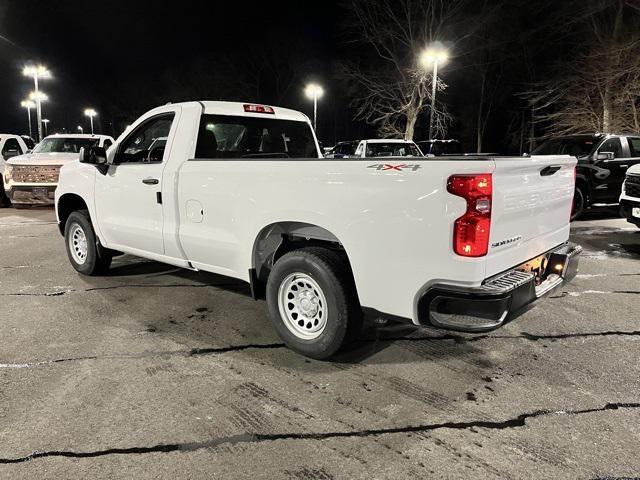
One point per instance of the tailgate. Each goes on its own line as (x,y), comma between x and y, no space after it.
(531,207)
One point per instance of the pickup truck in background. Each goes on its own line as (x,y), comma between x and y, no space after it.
(630,196)
(242,190)
(10,146)
(32,178)
(387,148)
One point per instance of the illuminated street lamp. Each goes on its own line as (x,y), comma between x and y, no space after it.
(314,92)
(80,129)
(45,122)
(435,55)
(37,72)
(28,104)
(90,112)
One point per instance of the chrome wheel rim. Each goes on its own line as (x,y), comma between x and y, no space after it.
(78,244)
(303,306)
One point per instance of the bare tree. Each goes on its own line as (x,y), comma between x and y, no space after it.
(599,88)
(393,91)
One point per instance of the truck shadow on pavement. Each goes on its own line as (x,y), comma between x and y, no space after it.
(414,344)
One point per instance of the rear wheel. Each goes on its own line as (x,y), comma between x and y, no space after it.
(579,204)
(313,302)
(84,253)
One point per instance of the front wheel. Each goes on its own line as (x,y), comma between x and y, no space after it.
(579,204)
(82,246)
(312,301)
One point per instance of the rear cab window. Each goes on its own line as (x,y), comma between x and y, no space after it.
(231,136)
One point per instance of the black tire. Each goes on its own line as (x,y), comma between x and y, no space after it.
(343,318)
(96,260)
(579,203)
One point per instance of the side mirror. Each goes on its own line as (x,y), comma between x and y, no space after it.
(605,156)
(10,154)
(95,156)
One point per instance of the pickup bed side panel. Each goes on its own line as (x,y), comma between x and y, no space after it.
(395,225)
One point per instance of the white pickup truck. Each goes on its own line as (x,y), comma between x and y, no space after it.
(31,179)
(242,190)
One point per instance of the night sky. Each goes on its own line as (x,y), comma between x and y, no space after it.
(89,46)
(125,57)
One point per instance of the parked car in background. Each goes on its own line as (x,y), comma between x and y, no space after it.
(31,179)
(456,244)
(387,148)
(342,149)
(440,147)
(630,197)
(10,146)
(603,160)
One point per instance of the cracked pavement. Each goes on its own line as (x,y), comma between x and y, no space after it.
(156,372)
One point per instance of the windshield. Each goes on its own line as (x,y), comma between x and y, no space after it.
(574,146)
(228,136)
(392,149)
(64,145)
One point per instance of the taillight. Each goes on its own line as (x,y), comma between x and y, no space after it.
(471,230)
(258,109)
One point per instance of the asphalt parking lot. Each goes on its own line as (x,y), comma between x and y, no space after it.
(154,372)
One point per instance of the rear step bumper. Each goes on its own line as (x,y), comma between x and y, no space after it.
(490,305)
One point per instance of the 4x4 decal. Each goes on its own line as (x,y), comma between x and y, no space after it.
(398,168)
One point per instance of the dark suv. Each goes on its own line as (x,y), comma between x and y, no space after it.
(603,160)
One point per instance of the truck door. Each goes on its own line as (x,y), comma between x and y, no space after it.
(128,198)
(608,179)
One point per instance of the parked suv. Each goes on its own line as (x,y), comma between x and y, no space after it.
(603,160)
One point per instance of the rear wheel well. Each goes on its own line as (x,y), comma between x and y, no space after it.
(583,185)
(69,203)
(279,239)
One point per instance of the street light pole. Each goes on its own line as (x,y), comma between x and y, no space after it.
(90,112)
(37,72)
(28,104)
(45,122)
(435,55)
(433,98)
(314,92)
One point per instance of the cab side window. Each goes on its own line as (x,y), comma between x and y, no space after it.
(612,145)
(146,143)
(634,146)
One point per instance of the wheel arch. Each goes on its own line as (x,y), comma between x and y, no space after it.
(66,205)
(279,238)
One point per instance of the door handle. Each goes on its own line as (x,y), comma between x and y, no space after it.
(150,181)
(550,170)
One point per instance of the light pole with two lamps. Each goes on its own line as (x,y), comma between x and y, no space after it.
(28,104)
(435,55)
(314,92)
(37,72)
(90,112)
